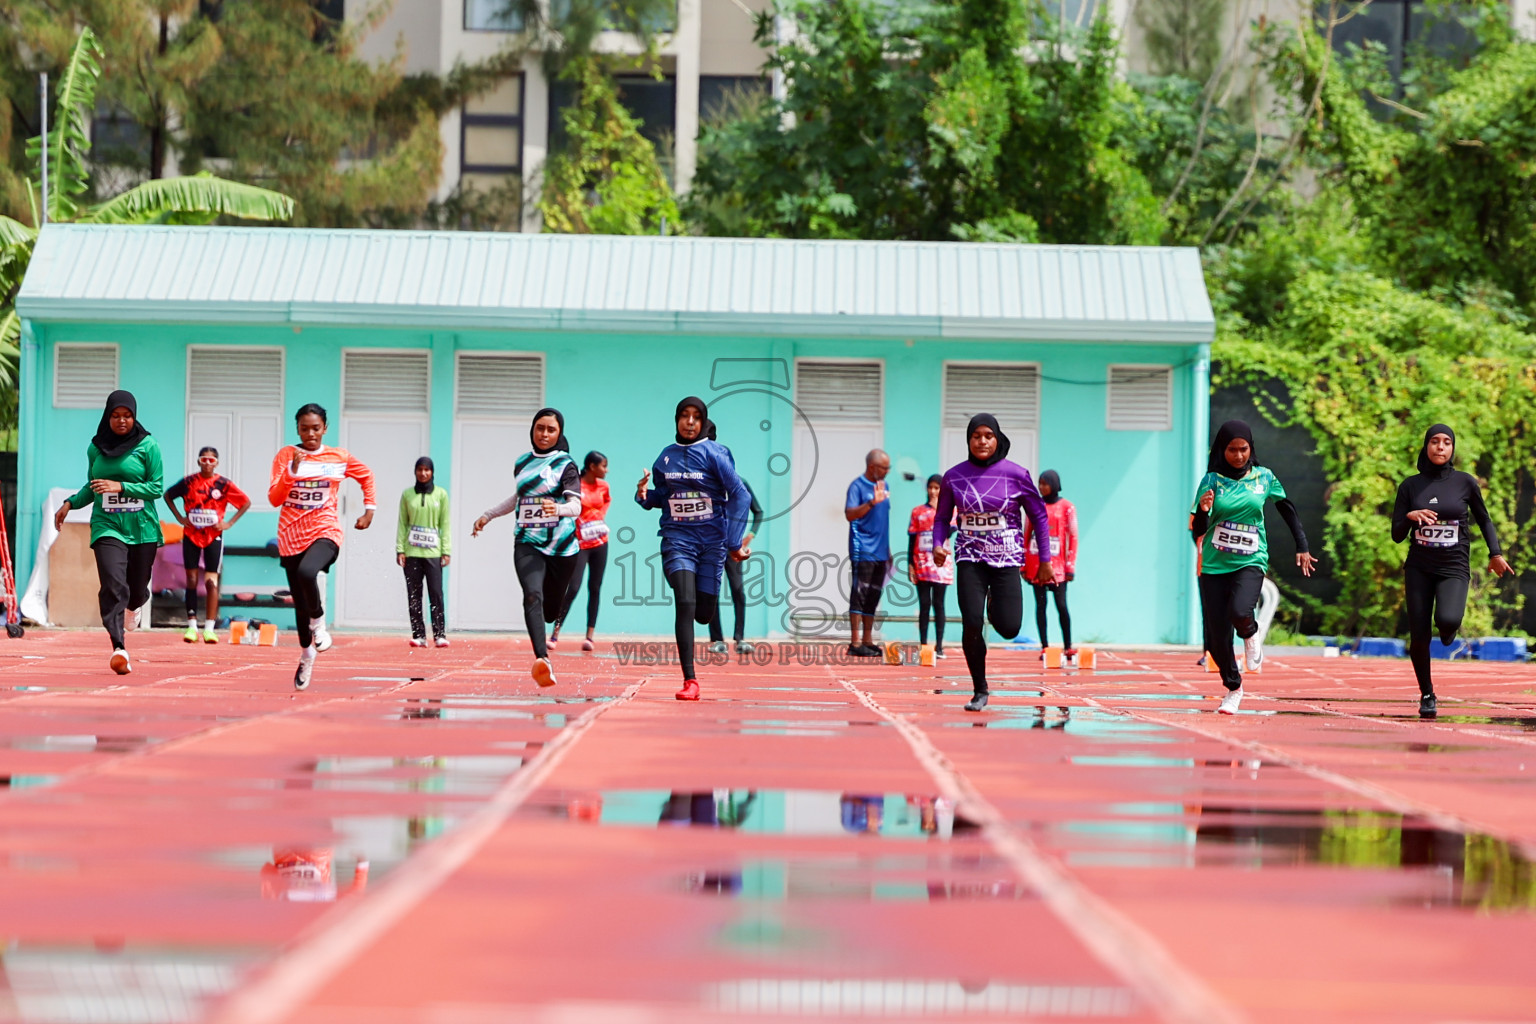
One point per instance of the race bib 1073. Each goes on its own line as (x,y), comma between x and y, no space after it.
(1235,538)
(1439,535)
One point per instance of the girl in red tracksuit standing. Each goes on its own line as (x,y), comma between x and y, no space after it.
(1062,517)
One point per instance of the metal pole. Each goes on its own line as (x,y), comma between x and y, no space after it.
(44,218)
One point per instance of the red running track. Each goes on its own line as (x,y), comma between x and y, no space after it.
(425,836)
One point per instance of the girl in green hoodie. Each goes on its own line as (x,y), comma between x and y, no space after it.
(124,475)
(422,549)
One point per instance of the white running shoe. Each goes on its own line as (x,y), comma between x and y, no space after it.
(119,662)
(417,641)
(305,670)
(1231,702)
(322,637)
(1253,650)
(441,641)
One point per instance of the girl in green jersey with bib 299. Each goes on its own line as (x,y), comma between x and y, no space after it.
(545,506)
(1228,524)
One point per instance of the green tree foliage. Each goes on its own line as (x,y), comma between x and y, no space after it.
(1182,37)
(607,179)
(970,119)
(199,199)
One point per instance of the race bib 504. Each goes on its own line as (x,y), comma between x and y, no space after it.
(118,503)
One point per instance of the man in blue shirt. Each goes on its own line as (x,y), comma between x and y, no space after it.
(868,511)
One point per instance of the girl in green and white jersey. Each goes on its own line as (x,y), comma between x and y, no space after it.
(1228,523)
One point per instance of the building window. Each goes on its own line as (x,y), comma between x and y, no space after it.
(235,404)
(492,16)
(491,138)
(1140,398)
(83,375)
(721,96)
(652,102)
(1400,27)
(1010,391)
(615,19)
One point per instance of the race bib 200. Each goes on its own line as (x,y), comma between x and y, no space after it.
(203,518)
(1440,535)
(530,512)
(1235,538)
(421,537)
(118,503)
(982,522)
(690,505)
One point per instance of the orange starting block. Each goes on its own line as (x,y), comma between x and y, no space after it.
(265,636)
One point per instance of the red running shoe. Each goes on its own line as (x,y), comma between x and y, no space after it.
(690,690)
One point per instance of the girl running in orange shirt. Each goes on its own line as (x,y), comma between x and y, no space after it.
(306,484)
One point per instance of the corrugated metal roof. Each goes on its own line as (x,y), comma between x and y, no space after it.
(462,280)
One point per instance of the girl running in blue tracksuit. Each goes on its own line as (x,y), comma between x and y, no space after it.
(704,507)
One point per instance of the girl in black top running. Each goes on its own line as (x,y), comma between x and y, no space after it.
(1436,507)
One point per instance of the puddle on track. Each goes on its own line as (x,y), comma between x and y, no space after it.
(795,812)
(114,981)
(861,879)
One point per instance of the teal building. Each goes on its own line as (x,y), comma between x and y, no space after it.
(809,353)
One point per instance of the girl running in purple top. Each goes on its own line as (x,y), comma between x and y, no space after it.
(989,497)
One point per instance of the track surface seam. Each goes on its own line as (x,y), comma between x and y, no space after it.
(1174,993)
(340,937)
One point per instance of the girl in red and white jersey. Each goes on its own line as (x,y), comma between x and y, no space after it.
(1061,514)
(592,539)
(306,485)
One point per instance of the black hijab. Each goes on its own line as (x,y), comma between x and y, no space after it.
(986,419)
(108,443)
(708,433)
(561,444)
(430,485)
(1229,432)
(1050,477)
(1429,468)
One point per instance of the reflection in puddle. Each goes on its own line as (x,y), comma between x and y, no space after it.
(776,880)
(82,985)
(80,743)
(1457,869)
(914,997)
(801,812)
(458,775)
(27,781)
(1524,724)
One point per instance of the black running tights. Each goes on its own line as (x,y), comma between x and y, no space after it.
(930,596)
(303,570)
(1227,603)
(1062,615)
(595,562)
(543,579)
(738,605)
(692,607)
(1433,601)
(987,593)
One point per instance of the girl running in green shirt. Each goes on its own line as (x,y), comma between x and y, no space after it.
(1228,524)
(125,476)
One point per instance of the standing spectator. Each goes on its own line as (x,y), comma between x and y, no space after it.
(868,512)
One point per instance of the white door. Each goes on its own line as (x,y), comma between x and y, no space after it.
(1009,391)
(370,587)
(385,423)
(484,593)
(842,405)
(496,394)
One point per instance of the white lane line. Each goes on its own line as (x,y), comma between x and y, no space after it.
(340,937)
(1171,991)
